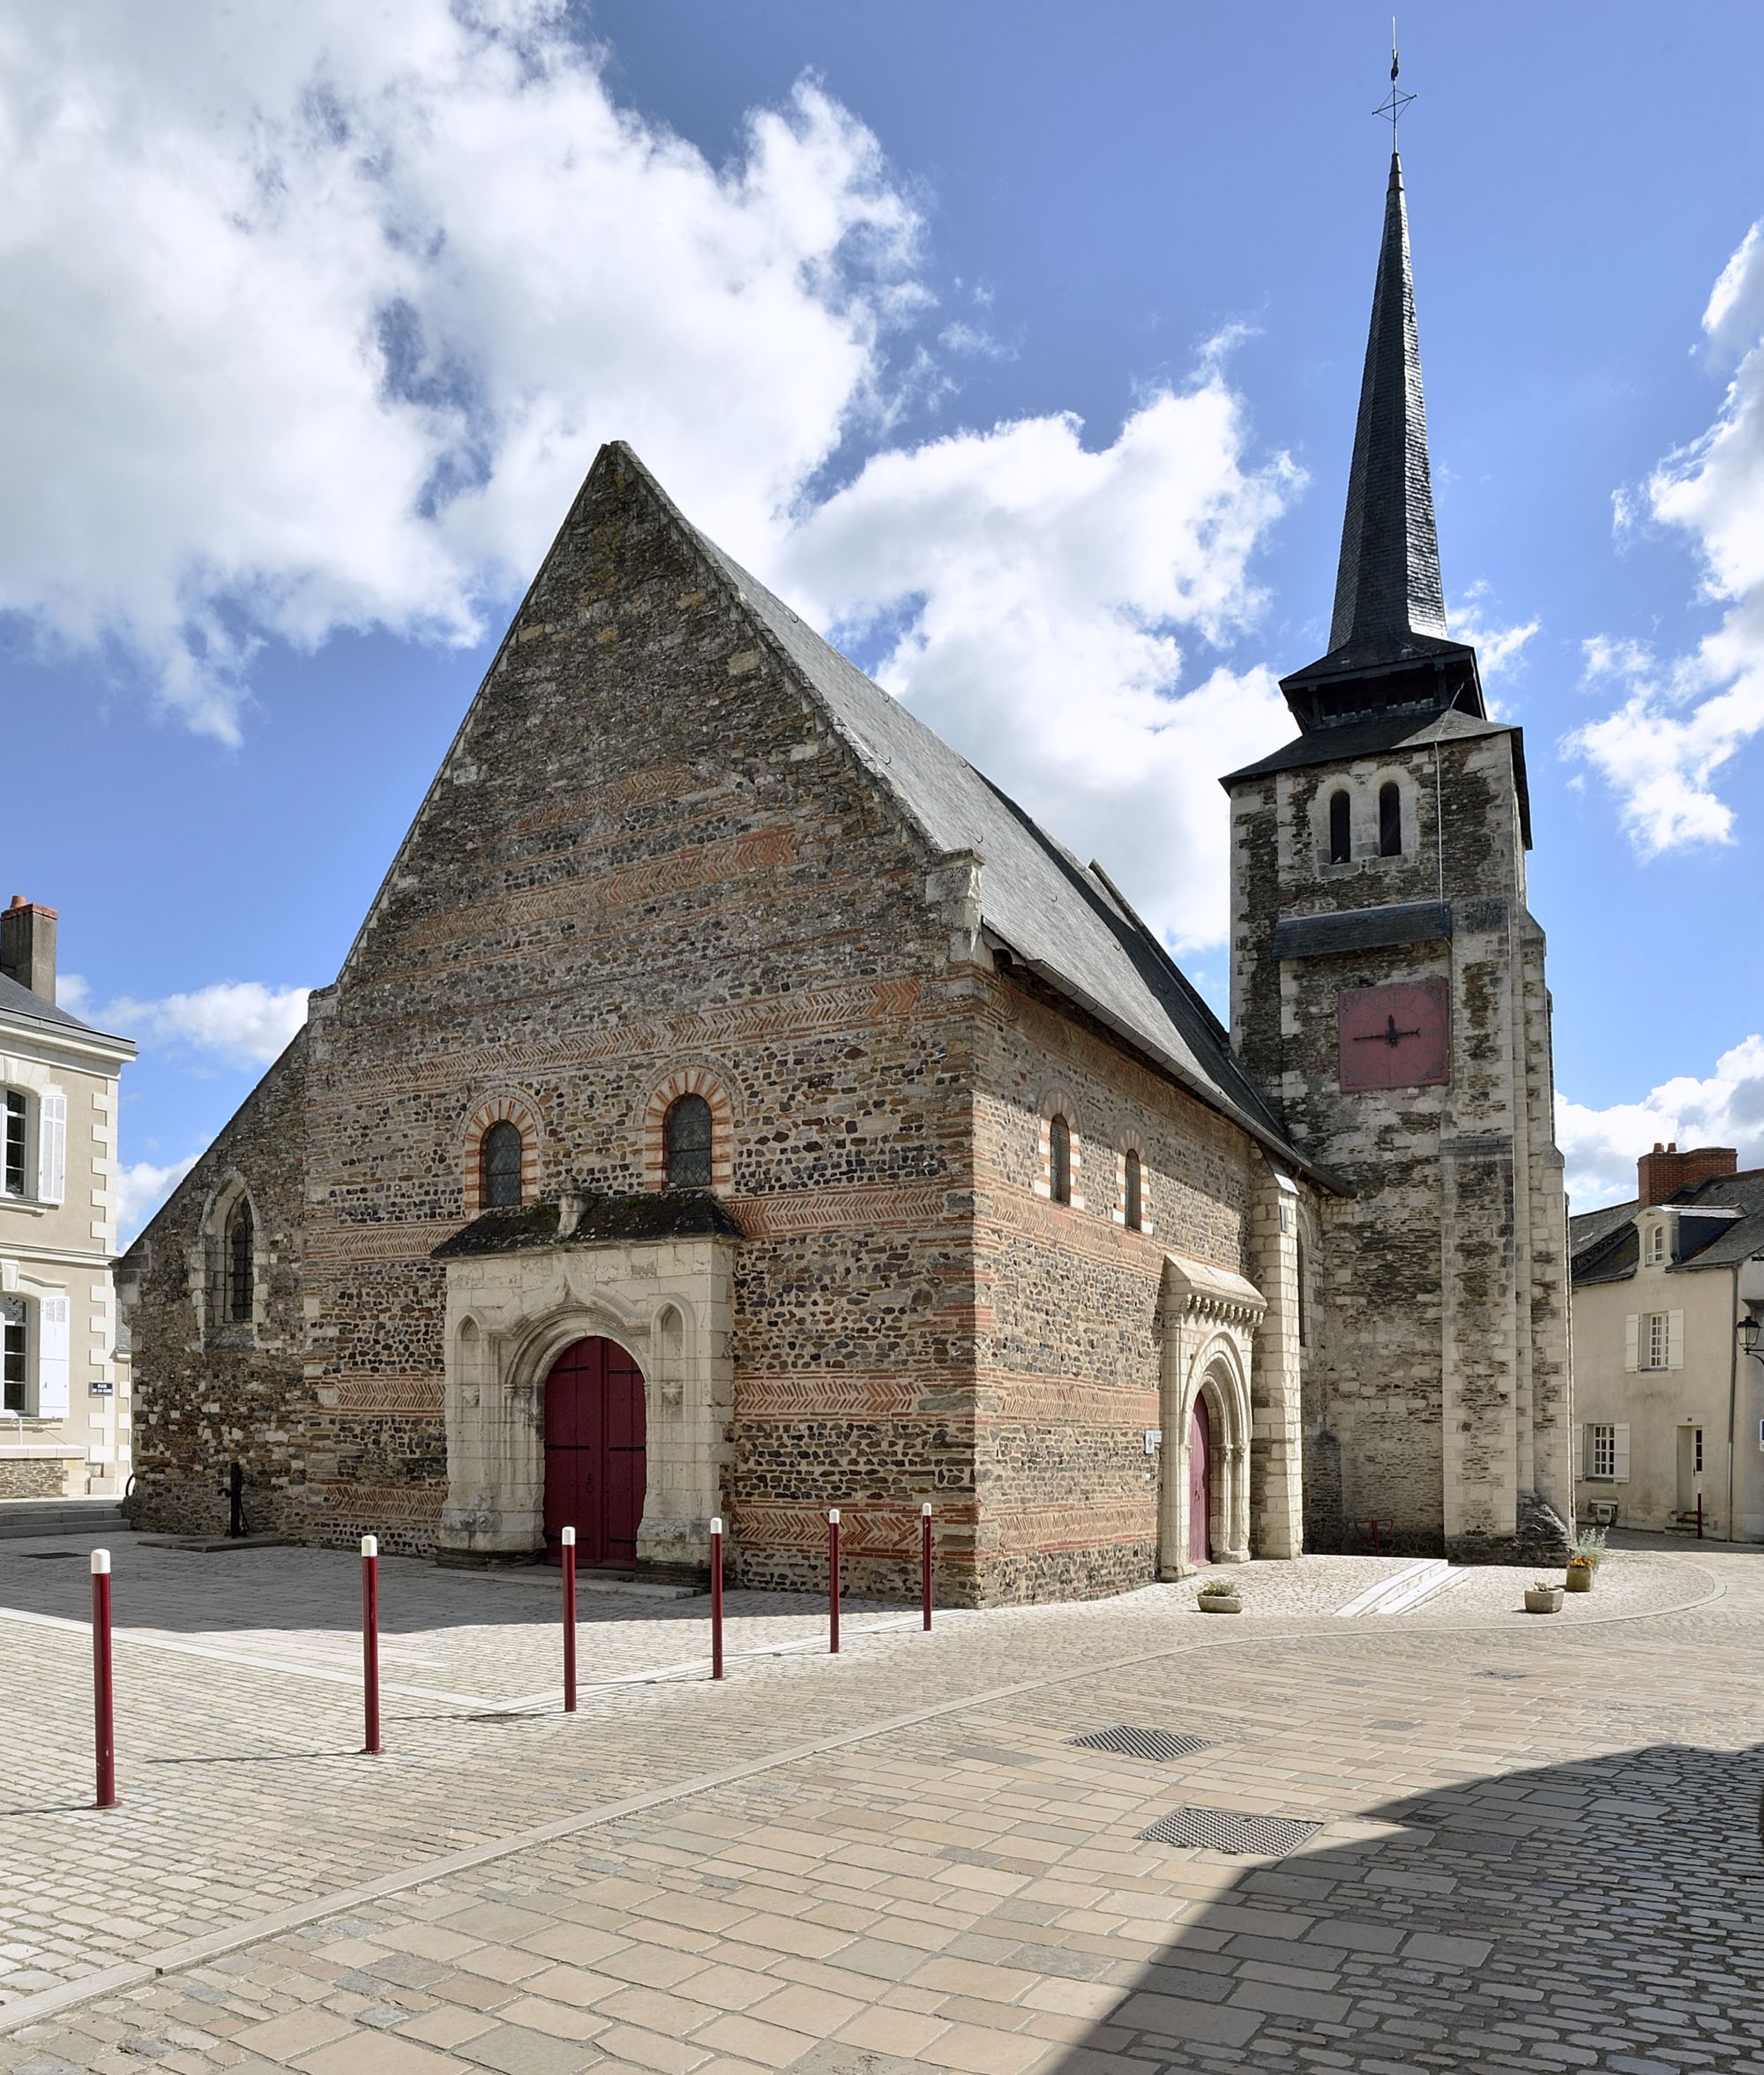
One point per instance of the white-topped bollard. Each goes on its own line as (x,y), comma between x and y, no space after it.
(370,1645)
(716,1595)
(103,1705)
(832,1582)
(925,1559)
(567,1537)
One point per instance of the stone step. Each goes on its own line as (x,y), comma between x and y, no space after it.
(61,1516)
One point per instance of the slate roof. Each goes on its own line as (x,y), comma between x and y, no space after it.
(1606,1247)
(18,1000)
(672,1214)
(1053,915)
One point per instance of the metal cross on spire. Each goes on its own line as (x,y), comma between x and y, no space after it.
(1391,107)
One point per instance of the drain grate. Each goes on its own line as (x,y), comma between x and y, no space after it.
(1142,1743)
(1499,1674)
(50,1555)
(1391,1722)
(1222,1830)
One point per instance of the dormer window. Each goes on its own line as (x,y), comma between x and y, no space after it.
(1654,1245)
(1340,829)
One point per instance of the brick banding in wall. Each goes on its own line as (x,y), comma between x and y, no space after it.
(508,1107)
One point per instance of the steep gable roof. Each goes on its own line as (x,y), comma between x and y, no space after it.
(1066,923)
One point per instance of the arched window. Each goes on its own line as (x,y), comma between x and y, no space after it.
(240,1264)
(1131,1194)
(1390,821)
(1060,1160)
(686,1140)
(1340,831)
(500,1154)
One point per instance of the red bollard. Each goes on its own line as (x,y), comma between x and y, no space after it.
(925,1559)
(1376,1549)
(716,1597)
(103,1710)
(833,1583)
(371,1643)
(569,1621)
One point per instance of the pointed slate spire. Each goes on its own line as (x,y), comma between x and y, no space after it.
(1387,641)
(1387,587)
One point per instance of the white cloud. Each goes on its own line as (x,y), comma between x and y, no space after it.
(1682,718)
(317,315)
(1499,649)
(1029,592)
(1601,1146)
(141,1187)
(240,1022)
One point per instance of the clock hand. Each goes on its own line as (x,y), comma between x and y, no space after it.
(1389,1036)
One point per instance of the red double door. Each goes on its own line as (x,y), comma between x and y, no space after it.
(594,1453)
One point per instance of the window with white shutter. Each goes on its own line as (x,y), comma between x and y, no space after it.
(51,1146)
(1675,1339)
(18,1140)
(1619,1466)
(1631,1341)
(1601,1453)
(15,1337)
(52,1358)
(1656,1340)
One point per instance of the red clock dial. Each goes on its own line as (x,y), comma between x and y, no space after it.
(1395,1037)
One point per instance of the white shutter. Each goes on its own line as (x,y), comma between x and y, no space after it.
(1620,1466)
(52,1359)
(1675,1339)
(1580,1452)
(1631,1341)
(51,1145)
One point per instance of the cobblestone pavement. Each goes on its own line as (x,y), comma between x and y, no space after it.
(1535,1841)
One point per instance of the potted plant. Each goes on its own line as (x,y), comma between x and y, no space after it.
(1219,1595)
(1580,1570)
(1589,1543)
(1542,1595)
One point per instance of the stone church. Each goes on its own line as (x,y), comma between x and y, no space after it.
(732,1103)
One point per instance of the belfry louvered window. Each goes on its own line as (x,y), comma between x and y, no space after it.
(1390,821)
(1340,829)
(501,1156)
(686,1137)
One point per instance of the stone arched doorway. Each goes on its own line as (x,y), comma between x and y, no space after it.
(596,1449)
(1199,1484)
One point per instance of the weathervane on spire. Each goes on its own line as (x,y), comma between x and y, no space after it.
(1391,107)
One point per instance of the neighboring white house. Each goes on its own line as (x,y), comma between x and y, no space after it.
(1669,1406)
(64,1397)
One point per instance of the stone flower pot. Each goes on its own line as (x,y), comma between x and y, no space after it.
(1579,1578)
(1219,1602)
(1543,1599)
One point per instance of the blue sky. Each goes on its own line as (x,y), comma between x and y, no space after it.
(1018,343)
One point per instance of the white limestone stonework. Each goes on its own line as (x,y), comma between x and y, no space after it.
(1210,1318)
(669,1303)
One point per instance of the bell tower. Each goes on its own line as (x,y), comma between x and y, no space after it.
(1387,996)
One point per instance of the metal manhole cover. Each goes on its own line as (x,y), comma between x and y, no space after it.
(1142,1743)
(1224,1830)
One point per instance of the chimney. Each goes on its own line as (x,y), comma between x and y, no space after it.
(1665,1171)
(27,946)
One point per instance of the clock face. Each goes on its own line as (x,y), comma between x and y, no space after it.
(1395,1037)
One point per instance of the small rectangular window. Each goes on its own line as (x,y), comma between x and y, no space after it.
(17,1122)
(14,1331)
(1601,1451)
(1697,1451)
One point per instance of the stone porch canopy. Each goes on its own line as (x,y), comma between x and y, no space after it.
(653,1273)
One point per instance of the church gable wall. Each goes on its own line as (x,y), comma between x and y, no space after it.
(647,853)
(207,1389)
(1068,1298)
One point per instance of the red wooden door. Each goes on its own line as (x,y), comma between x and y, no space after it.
(1200,1486)
(594,1453)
